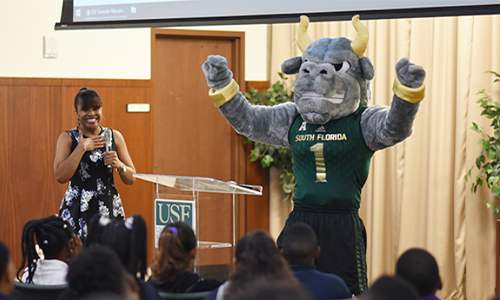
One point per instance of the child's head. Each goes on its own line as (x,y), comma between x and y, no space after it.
(7,271)
(176,251)
(126,237)
(263,289)
(52,235)
(299,244)
(390,288)
(420,268)
(257,252)
(97,269)
(257,257)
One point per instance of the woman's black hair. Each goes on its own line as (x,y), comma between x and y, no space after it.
(257,257)
(88,98)
(51,235)
(126,237)
(176,242)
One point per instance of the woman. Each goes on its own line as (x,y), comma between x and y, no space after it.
(174,261)
(81,158)
(257,259)
(58,243)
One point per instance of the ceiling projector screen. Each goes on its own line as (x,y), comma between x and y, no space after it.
(81,14)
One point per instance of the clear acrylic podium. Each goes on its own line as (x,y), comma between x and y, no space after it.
(188,188)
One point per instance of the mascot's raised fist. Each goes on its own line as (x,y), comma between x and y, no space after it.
(409,74)
(217,72)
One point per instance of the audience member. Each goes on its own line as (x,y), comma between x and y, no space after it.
(300,249)
(256,258)
(174,261)
(277,290)
(420,268)
(128,238)
(390,288)
(58,242)
(98,271)
(7,272)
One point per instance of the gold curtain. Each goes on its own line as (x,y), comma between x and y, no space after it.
(415,195)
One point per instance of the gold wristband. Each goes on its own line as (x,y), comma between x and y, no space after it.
(412,95)
(224,95)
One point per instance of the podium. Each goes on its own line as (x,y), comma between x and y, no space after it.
(189,189)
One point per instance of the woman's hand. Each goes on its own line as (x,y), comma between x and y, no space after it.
(91,143)
(111,159)
(75,246)
(123,158)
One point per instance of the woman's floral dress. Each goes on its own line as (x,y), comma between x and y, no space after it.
(91,190)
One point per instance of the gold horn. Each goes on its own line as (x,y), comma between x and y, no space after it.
(361,41)
(303,40)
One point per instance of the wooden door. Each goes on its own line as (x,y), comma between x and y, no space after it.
(191,137)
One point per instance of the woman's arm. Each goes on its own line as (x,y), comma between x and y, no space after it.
(121,157)
(66,162)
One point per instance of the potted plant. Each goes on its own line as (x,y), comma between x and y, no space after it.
(488,161)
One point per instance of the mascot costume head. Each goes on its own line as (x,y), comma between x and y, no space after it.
(333,75)
(332,133)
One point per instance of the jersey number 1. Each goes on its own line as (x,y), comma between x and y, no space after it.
(320,162)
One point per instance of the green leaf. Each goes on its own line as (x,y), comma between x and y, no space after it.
(475,127)
(267,161)
(254,155)
(478,162)
(492,154)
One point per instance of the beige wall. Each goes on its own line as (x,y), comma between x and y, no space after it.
(105,53)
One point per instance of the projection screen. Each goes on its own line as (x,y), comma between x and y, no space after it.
(81,14)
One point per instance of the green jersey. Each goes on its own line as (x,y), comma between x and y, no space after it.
(331,162)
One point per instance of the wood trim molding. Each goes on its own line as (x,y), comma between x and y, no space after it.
(64,82)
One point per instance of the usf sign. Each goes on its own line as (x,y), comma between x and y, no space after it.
(169,211)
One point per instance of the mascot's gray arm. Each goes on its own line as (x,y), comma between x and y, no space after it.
(264,124)
(383,126)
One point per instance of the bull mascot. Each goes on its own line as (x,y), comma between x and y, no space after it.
(332,134)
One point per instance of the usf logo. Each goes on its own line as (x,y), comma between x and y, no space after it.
(169,211)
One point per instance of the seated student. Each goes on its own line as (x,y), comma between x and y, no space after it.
(98,271)
(59,244)
(128,238)
(174,261)
(300,249)
(276,290)
(256,258)
(390,288)
(7,272)
(420,268)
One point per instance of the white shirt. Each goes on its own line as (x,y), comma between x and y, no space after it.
(222,291)
(48,272)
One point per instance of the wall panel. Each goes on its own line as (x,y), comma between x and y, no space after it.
(33,115)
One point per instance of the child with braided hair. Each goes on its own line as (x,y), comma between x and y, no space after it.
(59,244)
(174,261)
(128,239)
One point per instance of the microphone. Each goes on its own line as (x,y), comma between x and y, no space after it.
(107,137)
